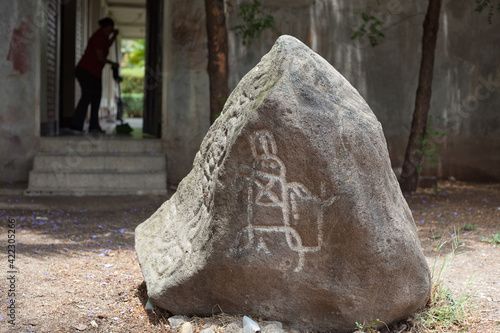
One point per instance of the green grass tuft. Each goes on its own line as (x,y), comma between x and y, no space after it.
(493,239)
(445,312)
(469,227)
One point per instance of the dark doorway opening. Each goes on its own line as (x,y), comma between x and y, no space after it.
(153,79)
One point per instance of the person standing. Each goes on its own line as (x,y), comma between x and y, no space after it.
(88,72)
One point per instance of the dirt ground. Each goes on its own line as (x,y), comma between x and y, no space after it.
(447,212)
(76,268)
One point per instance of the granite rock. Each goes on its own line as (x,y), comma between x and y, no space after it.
(291,211)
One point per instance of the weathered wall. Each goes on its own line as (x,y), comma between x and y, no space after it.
(467,93)
(466,86)
(185,85)
(20,29)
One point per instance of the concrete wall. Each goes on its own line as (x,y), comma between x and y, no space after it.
(466,86)
(186,108)
(21,29)
(467,93)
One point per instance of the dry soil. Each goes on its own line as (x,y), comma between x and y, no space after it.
(76,268)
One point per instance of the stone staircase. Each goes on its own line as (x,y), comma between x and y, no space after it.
(98,165)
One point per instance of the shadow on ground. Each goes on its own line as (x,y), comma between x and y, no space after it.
(71,224)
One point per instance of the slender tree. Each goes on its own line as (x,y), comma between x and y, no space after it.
(415,150)
(218,67)
(413,155)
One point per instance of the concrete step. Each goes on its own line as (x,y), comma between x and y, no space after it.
(104,161)
(85,182)
(89,144)
(97,165)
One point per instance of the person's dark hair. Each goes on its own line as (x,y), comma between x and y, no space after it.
(106,22)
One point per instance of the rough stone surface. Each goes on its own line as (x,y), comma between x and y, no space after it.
(291,212)
(187,327)
(176,321)
(275,323)
(272,328)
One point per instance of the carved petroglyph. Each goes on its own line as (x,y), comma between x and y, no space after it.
(272,190)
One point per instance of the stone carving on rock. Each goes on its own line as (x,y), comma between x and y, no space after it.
(268,175)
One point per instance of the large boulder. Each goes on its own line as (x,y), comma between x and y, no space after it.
(291,212)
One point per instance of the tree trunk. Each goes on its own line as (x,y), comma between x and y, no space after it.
(413,156)
(217,56)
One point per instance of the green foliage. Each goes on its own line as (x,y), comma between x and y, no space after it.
(492,240)
(436,189)
(370,28)
(370,327)
(133,80)
(134,104)
(134,52)
(429,148)
(133,71)
(469,227)
(487,6)
(255,22)
(444,312)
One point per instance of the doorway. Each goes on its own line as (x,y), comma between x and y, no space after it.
(75,21)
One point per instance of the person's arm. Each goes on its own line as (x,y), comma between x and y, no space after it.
(113,38)
(111,41)
(101,58)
